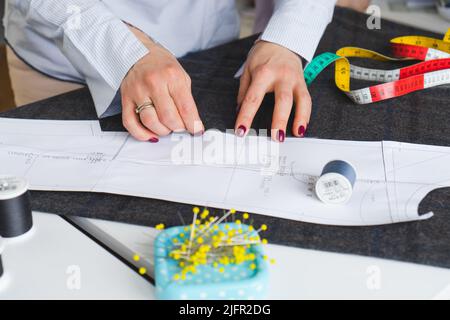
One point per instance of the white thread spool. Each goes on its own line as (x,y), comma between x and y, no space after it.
(335,185)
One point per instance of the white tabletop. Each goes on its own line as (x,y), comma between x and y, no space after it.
(54,260)
(57,261)
(306,274)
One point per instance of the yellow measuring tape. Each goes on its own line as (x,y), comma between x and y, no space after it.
(433,71)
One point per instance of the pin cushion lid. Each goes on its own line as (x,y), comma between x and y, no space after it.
(12,187)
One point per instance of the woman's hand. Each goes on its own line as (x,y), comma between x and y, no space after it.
(358,5)
(273,68)
(158,78)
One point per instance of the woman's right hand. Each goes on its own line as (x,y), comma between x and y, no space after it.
(160,79)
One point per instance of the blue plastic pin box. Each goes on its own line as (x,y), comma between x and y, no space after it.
(235,282)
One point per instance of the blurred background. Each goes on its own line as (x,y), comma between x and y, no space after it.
(6,96)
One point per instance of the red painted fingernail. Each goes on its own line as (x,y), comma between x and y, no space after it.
(240,132)
(281,135)
(154,140)
(199,134)
(301,131)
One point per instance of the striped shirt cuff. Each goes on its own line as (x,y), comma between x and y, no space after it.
(299,26)
(97,43)
(111,57)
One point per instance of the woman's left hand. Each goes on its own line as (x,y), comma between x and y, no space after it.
(273,68)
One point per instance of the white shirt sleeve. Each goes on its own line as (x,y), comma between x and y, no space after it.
(98,44)
(299,25)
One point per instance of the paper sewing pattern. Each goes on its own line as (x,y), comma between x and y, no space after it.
(392,177)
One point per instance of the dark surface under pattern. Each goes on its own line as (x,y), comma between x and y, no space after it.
(421,117)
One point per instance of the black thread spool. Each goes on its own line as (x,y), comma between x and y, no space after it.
(15,208)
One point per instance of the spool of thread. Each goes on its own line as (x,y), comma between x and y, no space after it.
(335,185)
(15,208)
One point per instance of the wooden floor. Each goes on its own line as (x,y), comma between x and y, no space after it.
(6,95)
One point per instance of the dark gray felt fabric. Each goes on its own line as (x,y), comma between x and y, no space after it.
(418,118)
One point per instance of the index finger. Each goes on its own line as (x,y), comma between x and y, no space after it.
(187,108)
(250,105)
